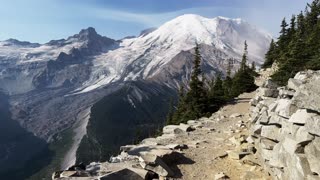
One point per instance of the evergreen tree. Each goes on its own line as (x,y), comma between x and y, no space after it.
(181,108)
(270,55)
(196,97)
(243,65)
(218,87)
(243,80)
(193,104)
(227,83)
(170,113)
(298,46)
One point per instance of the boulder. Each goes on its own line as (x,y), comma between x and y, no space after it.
(269,84)
(313,124)
(297,167)
(266,92)
(294,84)
(279,156)
(288,128)
(272,107)
(302,136)
(264,119)
(267,143)
(276,120)
(300,117)
(290,145)
(308,96)
(312,151)
(303,75)
(155,164)
(124,174)
(271,132)
(177,129)
(285,108)
(284,93)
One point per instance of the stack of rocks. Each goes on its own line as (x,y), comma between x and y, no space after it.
(147,160)
(286,126)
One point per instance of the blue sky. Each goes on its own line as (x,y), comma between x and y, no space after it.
(44,20)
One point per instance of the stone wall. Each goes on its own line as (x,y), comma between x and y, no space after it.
(286,127)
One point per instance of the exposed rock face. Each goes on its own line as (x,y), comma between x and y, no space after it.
(286,126)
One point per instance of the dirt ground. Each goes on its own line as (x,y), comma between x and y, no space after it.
(206,154)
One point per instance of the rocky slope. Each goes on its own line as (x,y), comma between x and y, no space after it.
(272,133)
(286,127)
(208,148)
(51,85)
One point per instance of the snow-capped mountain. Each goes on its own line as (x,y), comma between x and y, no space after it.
(142,57)
(145,56)
(117,83)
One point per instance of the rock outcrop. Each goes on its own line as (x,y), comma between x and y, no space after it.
(286,127)
(217,147)
(147,160)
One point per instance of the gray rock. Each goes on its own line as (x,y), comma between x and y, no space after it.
(290,145)
(294,84)
(285,108)
(177,129)
(155,164)
(270,84)
(302,136)
(297,167)
(276,120)
(264,119)
(284,93)
(303,75)
(267,143)
(288,128)
(269,92)
(312,152)
(272,107)
(124,174)
(256,129)
(313,124)
(271,132)
(308,96)
(300,117)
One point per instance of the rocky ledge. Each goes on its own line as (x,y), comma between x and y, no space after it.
(286,127)
(209,148)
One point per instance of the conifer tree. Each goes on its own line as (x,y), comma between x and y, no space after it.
(170,113)
(193,104)
(300,49)
(270,55)
(243,80)
(227,83)
(197,96)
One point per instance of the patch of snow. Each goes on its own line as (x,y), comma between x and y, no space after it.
(131,101)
